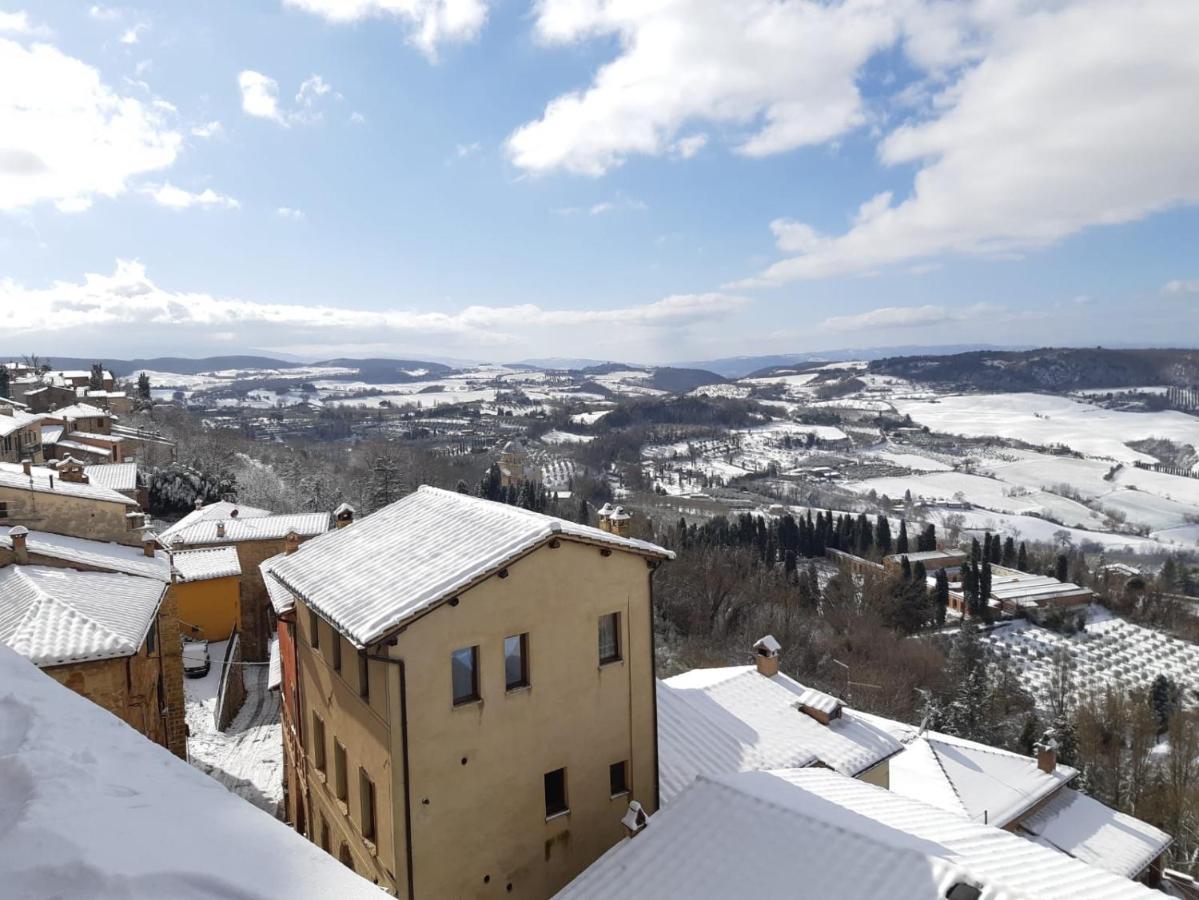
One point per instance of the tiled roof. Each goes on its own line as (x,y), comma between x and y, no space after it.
(282,600)
(76,447)
(260,528)
(94,554)
(1084,828)
(56,616)
(80,411)
(372,575)
(18,420)
(982,783)
(205,564)
(720,721)
(52,434)
(275,667)
(41,478)
(117,476)
(213,511)
(815,833)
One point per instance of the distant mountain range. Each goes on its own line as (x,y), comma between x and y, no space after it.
(740,366)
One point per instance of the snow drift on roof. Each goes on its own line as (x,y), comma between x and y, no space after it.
(257,528)
(220,510)
(205,564)
(46,481)
(94,554)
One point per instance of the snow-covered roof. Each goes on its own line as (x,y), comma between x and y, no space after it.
(99,811)
(369,577)
(52,434)
(258,528)
(222,509)
(930,556)
(96,436)
(275,669)
(819,701)
(55,616)
(981,783)
(44,480)
(118,476)
(815,833)
(80,411)
(94,554)
(282,600)
(720,721)
(76,447)
(207,563)
(17,421)
(1084,828)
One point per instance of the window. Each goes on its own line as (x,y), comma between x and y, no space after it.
(318,742)
(618,778)
(151,638)
(339,772)
(609,638)
(336,653)
(516,661)
(465,666)
(366,797)
(3,509)
(314,629)
(324,835)
(364,677)
(555,793)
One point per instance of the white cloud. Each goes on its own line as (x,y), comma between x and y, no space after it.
(1179,286)
(260,98)
(66,137)
(15,22)
(178,198)
(1073,118)
(133,34)
(311,89)
(287,212)
(782,75)
(104,13)
(357,118)
(902,317)
(207,129)
(430,22)
(620,203)
(128,297)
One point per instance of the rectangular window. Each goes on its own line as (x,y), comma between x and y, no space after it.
(325,843)
(609,638)
(3,509)
(555,793)
(318,742)
(340,785)
(618,778)
(314,629)
(151,638)
(366,797)
(516,661)
(364,677)
(465,666)
(336,652)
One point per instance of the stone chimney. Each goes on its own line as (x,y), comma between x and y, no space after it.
(27,466)
(766,656)
(220,529)
(20,551)
(603,517)
(343,515)
(1047,753)
(634,819)
(71,470)
(291,542)
(620,522)
(149,543)
(6,410)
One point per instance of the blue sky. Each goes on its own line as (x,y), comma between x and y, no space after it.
(654,181)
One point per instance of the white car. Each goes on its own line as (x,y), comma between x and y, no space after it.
(196,661)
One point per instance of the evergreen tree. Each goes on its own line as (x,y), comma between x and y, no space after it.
(987,546)
(1022,558)
(4,382)
(583,517)
(1009,552)
(975,551)
(905,569)
(882,535)
(1163,697)
(928,538)
(143,386)
(984,591)
(789,564)
(1062,568)
(95,381)
(901,544)
(1030,734)
(995,554)
(386,485)
(941,597)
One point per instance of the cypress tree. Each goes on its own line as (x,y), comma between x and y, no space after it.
(882,535)
(901,545)
(905,569)
(1022,558)
(941,596)
(1062,568)
(975,551)
(1009,552)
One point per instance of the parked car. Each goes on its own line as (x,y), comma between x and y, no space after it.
(196,661)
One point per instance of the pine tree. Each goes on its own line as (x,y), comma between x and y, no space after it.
(143,386)
(95,381)
(901,544)
(1022,558)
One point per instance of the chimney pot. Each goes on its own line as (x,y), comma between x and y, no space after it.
(220,529)
(27,466)
(18,535)
(149,543)
(1047,753)
(766,656)
(291,543)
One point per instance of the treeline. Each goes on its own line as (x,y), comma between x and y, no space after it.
(729,413)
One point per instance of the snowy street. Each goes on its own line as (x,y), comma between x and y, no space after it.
(248,758)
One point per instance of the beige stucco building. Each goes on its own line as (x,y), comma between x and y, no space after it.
(474,702)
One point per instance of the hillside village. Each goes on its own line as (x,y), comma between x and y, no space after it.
(550,671)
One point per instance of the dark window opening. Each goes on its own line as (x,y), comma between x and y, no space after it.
(366,796)
(516,661)
(609,638)
(555,793)
(364,677)
(314,629)
(318,742)
(151,638)
(336,653)
(464,664)
(618,778)
(339,772)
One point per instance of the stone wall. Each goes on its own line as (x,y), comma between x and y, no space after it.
(62,513)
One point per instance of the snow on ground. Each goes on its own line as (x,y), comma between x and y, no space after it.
(1049,420)
(1109,651)
(911,461)
(425,401)
(566,437)
(589,418)
(248,757)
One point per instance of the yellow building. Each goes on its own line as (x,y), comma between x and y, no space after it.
(207,587)
(475,694)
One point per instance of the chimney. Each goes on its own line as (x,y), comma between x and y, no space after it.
(343,515)
(18,536)
(149,543)
(605,513)
(634,819)
(6,410)
(1047,753)
(27,466)
(620,522)
(220,529)
(766,656)
(291,543)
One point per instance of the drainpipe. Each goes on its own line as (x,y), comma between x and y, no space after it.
(404,755)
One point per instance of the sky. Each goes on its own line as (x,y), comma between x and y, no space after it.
(643,180)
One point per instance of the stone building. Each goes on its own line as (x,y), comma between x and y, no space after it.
(42,499)
(470,688)
(112,637)
(515,467)
(20,435)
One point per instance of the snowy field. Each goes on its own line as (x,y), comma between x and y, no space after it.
(248,757)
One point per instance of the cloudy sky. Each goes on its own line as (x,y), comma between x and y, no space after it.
(647,180)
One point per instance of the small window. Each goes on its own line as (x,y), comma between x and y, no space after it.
(516,661)
(151,638)
(336,653)
(555,793)
(364,677)
(339,772)
(366,797)
(609,638)
(3,509)
(325,844)
(465,665)
(618,778)
(314,629)
(318,742)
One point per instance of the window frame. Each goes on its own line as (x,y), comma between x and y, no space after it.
(564,808)
(474,695)
(320,758)
(152,637)
(341,776)
(617,655)
(314,629)
(368,819)
(524,681)
(364,676)
(624,788)
(336,647)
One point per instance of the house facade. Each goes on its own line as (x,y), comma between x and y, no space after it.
(41,499)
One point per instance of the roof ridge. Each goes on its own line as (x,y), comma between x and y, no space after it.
(47,599)
(941,766)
